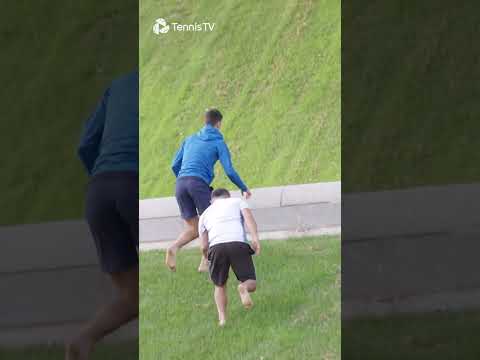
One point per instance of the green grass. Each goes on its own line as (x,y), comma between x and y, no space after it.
(296,314)
(125,351)
(60,57)
(436,336)
(272,67)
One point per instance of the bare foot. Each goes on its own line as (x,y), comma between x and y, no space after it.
(170,259)
(245,297)
(203,267)
(222,322)
(78,350)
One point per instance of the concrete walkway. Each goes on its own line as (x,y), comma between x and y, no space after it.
(50,282)
(281,212)
(426,262)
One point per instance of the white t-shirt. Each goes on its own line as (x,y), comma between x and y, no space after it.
(223,221)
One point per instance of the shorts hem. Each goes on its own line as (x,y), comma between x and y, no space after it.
(248,277)
(188,217)
(120,268)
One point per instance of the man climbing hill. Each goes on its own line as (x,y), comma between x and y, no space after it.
(193,166)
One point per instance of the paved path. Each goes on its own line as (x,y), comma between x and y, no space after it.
(50,282)
(427,261)
(281,212)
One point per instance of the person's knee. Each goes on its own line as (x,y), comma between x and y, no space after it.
(130,297)
(127,287)
(220,288)
(192,227)
(194,231)
(251,285)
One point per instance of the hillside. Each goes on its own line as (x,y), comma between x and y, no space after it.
(272,67)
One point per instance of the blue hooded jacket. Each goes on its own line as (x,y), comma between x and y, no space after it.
(199,153)
(110,137)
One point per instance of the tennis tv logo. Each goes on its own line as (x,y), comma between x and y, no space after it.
(162,27)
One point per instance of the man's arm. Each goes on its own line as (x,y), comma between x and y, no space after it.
(251,226)
(203,235)
(226,161)
(88,149)
(177,161)
(204,243)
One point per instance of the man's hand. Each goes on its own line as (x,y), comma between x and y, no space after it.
(256,246)
(246,194)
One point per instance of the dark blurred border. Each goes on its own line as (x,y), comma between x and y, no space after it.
(410,180)
(57,59)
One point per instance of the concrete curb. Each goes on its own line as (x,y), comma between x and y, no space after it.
(263,198)
(443,301)
(291,208)
(273,235)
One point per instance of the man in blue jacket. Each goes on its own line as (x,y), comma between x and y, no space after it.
(193,166)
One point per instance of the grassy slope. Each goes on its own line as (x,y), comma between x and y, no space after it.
(61,56)
(296,313)
(439,336)
(408,95)
(272,67)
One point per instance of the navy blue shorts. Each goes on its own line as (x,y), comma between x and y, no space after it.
(112,214)
(193,196)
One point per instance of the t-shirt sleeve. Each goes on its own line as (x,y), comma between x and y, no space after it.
(244,205)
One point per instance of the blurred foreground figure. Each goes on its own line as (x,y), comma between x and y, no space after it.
(109,152)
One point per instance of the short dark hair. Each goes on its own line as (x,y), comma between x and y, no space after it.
(220,193)
(213,116)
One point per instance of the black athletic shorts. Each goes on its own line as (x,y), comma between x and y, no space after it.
(112,214)
(193,196)
(236,254)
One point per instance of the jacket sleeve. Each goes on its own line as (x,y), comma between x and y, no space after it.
(226,161)
(89,147)
(177,160)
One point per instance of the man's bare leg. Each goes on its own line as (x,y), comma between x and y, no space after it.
(118,312)
(189,234)
(244,290)
(221,301)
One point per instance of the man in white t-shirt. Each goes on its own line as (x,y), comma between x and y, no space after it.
(224,242)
